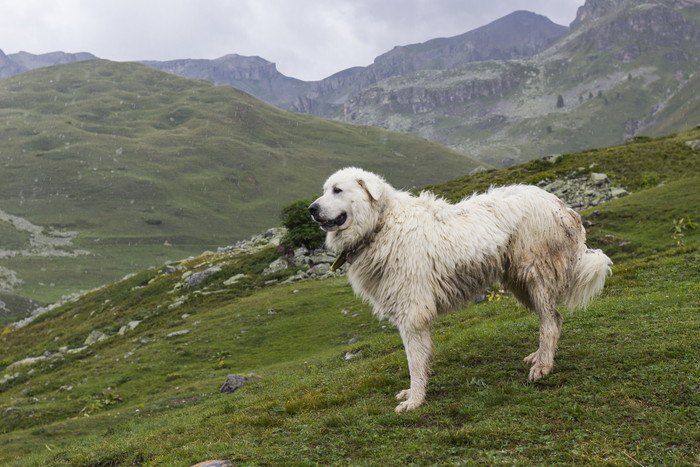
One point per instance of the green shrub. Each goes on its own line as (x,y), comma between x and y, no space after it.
(301,229)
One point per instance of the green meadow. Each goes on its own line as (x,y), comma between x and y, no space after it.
(625,389)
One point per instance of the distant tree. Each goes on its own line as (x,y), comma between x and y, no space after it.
(580,98)
(560,101)
(590,95)
(549,128)
(600,94)
(301,229)
(629,77)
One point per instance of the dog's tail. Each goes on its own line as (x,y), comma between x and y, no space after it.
(592,268)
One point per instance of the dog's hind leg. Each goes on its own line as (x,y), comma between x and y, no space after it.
(419,346)
(542,360)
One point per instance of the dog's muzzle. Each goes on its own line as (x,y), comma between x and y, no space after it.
(326,224)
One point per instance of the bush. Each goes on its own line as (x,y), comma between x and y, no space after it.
(301,229)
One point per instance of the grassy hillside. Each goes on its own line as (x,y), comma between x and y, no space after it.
(625,389)
(147,166)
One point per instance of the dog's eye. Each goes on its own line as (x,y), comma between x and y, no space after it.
(336,190)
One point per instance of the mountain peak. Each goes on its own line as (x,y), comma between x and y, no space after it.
(594,9)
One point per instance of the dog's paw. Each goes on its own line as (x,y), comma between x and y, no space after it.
(407,405)
(403,395)
(531,359)
(539,371)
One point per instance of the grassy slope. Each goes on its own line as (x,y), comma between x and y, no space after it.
(131,158)
(625,389)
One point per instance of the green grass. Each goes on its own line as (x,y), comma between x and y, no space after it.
(635,166)
(131,158)
(625,389)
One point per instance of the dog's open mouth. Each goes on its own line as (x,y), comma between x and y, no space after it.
(337,222)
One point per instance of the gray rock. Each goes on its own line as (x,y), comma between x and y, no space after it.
(351,355)
(197,278)
(233,383)
(277,265)
(130,326)
(319,269)
(301,251)
(618,192)
(234,279)
(324,257)
(214,463)
(178,333)
(693,144)
(94,337)
(598,177)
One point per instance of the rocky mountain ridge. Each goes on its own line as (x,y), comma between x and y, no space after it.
(519,34)
(20,62)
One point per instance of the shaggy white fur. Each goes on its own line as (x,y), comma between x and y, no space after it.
(414,257)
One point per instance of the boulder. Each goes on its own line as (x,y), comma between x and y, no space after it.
(198,277)
(233,383)
(94,337)
(130,326)
(277,265)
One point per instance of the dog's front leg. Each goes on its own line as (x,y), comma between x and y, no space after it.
(419,347)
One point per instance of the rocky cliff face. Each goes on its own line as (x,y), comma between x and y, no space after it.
(518,35)
(422,97)
(636,29)
(253,75)
(595,9)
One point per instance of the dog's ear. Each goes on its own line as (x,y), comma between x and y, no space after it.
(373,186)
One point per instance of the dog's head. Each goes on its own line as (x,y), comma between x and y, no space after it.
(349,203)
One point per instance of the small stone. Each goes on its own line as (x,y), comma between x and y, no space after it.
(234,279)
(130,326)
(178,333)
(351,355)
(94,337)
(214,463)
(233,383)
(353,340)
(277,265)
(618,192)
(185,316)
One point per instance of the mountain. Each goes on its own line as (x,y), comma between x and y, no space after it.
(130,374)
(519,34)
(253,75)
(109,167)
(622,69)
(14,64)
(30,61)
(8,67)
(616,72)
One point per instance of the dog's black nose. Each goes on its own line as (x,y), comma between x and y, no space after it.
(313,209)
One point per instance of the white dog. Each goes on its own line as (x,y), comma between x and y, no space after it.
(414,257)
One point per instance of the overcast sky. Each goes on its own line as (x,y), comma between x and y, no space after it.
(307,39)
